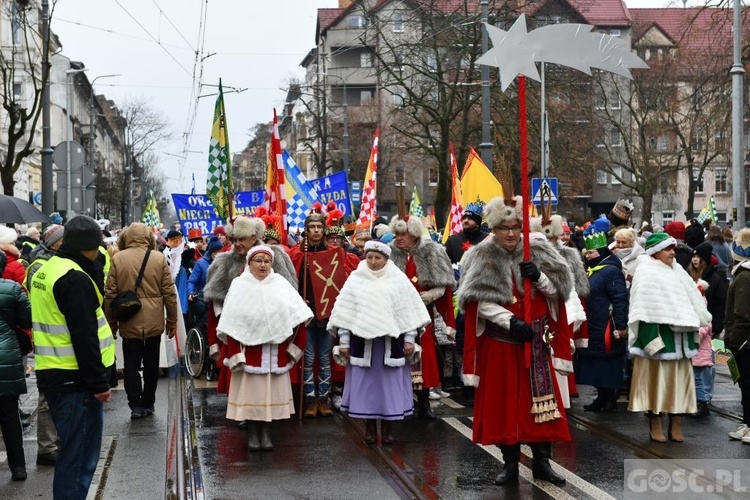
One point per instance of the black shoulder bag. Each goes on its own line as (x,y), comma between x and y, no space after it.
(127,304)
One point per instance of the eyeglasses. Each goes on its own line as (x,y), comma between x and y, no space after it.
(262,262)
(506,230)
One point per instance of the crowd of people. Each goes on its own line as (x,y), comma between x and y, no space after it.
(374,321)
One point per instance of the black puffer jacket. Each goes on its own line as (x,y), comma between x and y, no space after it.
(14,309)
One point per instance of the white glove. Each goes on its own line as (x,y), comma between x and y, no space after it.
(431,295)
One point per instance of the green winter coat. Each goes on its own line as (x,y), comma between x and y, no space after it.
(14,305)
(737,313)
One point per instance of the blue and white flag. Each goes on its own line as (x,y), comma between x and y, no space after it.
(300,194)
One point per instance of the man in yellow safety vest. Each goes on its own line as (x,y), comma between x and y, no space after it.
(73,350)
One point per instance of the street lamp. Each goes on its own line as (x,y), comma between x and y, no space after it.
(68,135)
(91,138)
(486,147)
(346,123)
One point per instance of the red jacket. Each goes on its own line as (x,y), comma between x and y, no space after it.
(14,270)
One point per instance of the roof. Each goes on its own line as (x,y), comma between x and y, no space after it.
(611,13)
(693,29)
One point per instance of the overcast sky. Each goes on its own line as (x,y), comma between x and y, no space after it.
(253,44)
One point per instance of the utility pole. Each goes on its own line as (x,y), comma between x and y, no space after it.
(738,147)
(47,174)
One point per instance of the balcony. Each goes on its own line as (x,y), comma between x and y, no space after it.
(345,37)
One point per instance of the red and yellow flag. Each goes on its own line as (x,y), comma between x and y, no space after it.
(368,210)
(275,198)
(453,224)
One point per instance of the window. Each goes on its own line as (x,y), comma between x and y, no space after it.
(698,182)
(666,217)
(663,142)
(357,21)
(398,23)
(616,171)
(17,92)
(399,177)
(698,99)
(16,27)
(601,101)
(365,60)
(398,59)
(365,96)
(432,96)
(434,175)
(614,100)
(663,187)
(614,32)
(432,63)
(398,98)
(720,139)
(615,139)
(720,180)
(601,177)
(721,217)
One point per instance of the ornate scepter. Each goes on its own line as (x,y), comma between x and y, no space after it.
(304,297)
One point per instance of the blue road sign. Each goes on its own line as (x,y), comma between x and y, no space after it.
(546,187)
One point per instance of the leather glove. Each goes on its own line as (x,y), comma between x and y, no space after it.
(521,330)
(529,270)
(431,295)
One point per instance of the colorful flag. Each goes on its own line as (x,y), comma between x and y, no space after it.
(453,224)
(275,199)
(368,210)
(150,215)
(299,192)
(219,181)
(708,212)
(415,207)
(477,183)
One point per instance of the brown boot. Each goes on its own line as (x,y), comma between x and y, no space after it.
(324,407)
(311,403)
(657,434)
(675,428)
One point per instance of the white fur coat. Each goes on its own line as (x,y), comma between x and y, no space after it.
(378,304)
(665,295)
(261,312)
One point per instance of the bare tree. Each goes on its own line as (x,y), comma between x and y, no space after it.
(23,80)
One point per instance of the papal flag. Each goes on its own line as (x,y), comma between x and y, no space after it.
(219,180)
(415,207)
(150,215)
(300,194)
(708,212)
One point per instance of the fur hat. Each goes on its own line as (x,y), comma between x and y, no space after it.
(53,234)
(704,251)
(552,229)
(658,242)
(381,230)
(82,233)
(741,245)
(620,213)
(246,227)
(694,234)
(497,211)
(411,225)
(8,234)
(378,246)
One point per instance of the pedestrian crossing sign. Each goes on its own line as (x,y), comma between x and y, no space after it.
(544,188)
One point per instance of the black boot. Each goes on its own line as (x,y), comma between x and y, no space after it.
(541,468)
(511,457)
(371,431)
(265,436)
(610,400)
(423,405)
(597,404)
(386,431)
(253,442)
(467,396)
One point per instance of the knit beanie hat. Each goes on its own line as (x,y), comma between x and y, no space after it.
(55,218)
(53,234)
(82,233)
(676,230)
(704,251)
(658,242)
(741,245)
(7,234)
(214,245)
(473,212)
(694,234)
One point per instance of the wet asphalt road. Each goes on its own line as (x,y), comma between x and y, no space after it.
(327,458)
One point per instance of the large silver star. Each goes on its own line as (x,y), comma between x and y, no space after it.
(517,51)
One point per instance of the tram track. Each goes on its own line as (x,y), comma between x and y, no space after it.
(403,479)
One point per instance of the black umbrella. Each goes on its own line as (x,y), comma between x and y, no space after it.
(18,211)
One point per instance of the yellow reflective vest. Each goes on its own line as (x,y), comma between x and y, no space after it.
(53,347)
(107,262)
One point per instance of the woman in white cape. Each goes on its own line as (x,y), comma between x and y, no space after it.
(666,312)
(259,325)
(377,317)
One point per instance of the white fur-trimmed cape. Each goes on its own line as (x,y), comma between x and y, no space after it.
(373,304)
(434,268)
